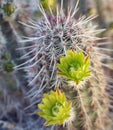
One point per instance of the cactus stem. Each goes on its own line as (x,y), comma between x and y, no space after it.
(88,121)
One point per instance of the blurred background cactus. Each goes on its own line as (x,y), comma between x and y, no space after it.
(33,40)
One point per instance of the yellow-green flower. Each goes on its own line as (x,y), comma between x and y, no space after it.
(9,9)
(55,108)
(74,66)
(8,66)
(48,3)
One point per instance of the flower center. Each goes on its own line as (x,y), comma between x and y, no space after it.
(56,108)
(74,67)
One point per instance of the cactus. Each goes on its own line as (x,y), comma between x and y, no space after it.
(54,35)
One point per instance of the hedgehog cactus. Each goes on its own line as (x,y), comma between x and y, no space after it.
(55,36)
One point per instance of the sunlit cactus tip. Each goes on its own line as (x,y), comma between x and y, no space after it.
(55,108)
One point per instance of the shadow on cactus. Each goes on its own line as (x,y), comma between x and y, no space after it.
(74,66)
(55,108)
